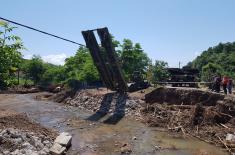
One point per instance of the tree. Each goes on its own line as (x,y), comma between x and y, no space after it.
(53,74)
(160,72)
(210,70)
(149,73)
(223,55)
(10,57)
(81,66)
(35,69)
(133,58)
(89,72)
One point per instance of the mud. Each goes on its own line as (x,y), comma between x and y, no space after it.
(98,137)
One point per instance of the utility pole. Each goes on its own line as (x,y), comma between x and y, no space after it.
(179,64)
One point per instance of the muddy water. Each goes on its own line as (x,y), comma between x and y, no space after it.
(99,138)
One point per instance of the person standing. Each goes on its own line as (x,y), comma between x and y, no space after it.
(225,83)
(230,85)
(217,83)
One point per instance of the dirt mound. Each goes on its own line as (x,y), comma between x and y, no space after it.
(102,101)
(183,96)
(62,96)
(10,119)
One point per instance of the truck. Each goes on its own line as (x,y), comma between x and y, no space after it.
(183,77)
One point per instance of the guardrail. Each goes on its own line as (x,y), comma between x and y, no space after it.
(184,82)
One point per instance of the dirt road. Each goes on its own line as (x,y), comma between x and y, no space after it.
(99,138)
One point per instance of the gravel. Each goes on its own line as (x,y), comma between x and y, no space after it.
(17,142)
(110,102)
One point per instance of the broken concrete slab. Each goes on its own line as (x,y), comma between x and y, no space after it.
(57,149)
(64,139)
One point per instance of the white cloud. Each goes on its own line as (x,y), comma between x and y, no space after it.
(28,56)
(56,59)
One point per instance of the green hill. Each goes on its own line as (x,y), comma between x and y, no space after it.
(219,59)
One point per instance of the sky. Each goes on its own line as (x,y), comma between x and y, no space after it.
(170,30)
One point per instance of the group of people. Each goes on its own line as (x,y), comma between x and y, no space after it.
(226,82)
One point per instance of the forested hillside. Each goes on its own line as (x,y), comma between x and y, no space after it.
(219,59)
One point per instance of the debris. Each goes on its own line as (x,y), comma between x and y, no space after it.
(229,150)
(224,125)
(126,149)
(14,141)
(157,147)
(230,137)
(61,144)
(198,114)
(204,115)
(57,149)
(64,139)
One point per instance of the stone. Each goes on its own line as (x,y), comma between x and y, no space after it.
(18,140)
(57,149)
(46,142)
(64,139)
(39,145)
(46,150)
(1,139)
(6,152)
(16,152)
(230,137)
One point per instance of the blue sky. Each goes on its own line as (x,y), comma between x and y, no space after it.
(169,30)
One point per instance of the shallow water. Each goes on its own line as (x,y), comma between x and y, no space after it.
(96,137)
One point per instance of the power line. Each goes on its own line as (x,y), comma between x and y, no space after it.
(13,22)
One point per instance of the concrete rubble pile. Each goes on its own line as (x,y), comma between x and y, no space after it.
(16,142)
(92,102)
